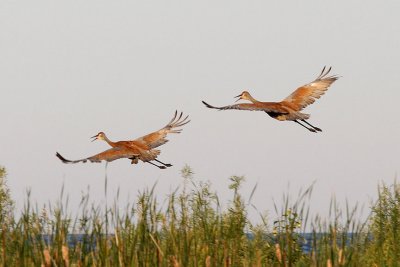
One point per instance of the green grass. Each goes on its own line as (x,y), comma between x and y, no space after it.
(194,229)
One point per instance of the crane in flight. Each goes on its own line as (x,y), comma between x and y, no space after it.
(289,108)
(141,148)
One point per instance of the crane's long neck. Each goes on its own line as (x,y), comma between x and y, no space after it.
(252,99)
(111,143)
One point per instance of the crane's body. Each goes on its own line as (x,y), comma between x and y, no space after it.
(139,149)
(289,108)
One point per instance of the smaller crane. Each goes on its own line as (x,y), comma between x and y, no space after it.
(289,108)
(141,148)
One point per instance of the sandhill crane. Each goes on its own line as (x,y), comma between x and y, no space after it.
(141,148)
(290,107)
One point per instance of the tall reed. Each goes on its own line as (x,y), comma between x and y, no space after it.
(192,228)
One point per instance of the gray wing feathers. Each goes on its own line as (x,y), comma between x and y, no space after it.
(108,155)
(308,93)
(241,106)
(158,138)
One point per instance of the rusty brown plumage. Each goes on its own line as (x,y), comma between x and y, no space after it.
(139,149)
(290,107)
(158,138)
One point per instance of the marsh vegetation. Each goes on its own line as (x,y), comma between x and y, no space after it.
(192,228)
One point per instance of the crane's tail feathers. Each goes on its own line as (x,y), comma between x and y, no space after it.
(149,155)
(302,116)
(155,152)
(306,116)
(64,160)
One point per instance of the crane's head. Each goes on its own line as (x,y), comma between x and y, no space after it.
(99,136)
(244,95)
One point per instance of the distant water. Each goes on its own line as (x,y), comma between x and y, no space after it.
(73,239)
(307,239)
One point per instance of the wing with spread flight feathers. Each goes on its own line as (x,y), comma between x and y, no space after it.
(307,94)
(108,155)
(250,106)
(158,138)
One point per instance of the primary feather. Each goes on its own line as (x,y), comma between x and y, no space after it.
(158,138)
(308,93)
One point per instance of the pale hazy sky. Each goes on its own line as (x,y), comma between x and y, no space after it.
(69,69)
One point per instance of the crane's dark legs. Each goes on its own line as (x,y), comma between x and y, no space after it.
(165,164)
(316,128)
(161,167)
(310,129)
(135,160)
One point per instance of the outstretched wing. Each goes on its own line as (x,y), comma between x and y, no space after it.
(307,94)
(272,107)
(108,155)
(158,138)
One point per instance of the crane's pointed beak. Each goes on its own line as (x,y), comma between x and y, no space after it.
(239,97)
(94,138)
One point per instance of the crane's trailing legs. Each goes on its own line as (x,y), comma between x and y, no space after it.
(310,129)
(165,164)
(161,167)
(135,160)
(316,128)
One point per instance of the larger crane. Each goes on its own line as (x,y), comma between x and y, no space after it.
(141,148)
(290,107)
